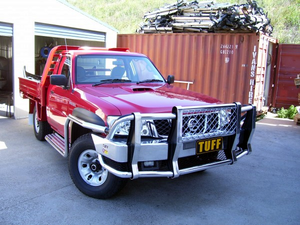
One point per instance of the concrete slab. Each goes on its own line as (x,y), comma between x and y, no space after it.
(262,188)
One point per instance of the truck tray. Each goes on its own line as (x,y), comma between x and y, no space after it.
(29,88)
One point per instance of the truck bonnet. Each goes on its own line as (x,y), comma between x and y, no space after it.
(152,98)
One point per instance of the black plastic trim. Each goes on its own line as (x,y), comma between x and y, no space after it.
(88,116)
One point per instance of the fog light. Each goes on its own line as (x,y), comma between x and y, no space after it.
(149,164)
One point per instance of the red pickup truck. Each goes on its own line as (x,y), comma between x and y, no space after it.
(116,118)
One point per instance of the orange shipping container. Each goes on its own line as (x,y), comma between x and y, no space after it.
(220,65)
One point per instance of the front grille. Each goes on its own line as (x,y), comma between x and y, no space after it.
(163,127)
(208,123)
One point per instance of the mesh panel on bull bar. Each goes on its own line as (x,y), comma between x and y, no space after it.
(208,122)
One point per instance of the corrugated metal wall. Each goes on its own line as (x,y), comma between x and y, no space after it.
(219,65)
(288,66)
(6,29)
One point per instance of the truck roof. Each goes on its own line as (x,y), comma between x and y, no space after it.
(104,52)
(96,50)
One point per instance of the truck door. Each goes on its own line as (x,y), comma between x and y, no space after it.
(59,97)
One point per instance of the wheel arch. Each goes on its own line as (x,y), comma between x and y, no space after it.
(76,130)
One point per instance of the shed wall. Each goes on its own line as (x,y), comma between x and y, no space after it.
(23,16)
(219,65)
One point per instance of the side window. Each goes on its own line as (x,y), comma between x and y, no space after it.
(65,68)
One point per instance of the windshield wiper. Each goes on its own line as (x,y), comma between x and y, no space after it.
(149,81)
(112,81)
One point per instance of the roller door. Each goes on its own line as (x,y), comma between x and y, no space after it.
(67,32)
(6,29)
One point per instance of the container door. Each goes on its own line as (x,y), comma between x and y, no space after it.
(263,72)
(285,92)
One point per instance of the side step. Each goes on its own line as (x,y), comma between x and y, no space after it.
(57,142)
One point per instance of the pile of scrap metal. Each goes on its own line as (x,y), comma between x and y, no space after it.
(207,16)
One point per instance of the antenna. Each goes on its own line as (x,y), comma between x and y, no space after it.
(66,44)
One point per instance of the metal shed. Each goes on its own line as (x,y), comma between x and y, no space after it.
(28,30)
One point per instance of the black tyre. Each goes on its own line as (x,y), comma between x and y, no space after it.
(40,128)
(87,173)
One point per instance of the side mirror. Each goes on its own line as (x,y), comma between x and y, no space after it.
(170,79)
(59,80)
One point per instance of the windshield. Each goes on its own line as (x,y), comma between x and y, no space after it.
(100,69)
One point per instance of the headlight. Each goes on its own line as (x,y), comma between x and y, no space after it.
(224,116)
(111,120)
(122,129)
(147,127)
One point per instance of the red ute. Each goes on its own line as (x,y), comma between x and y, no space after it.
(116,117)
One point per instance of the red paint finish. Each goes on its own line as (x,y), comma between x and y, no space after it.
(147,98)
(139,88)
(285,92)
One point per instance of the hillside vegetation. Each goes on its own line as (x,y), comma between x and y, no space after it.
(127,15)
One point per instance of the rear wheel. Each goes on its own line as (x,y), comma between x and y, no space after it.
(87,173)
(40,128)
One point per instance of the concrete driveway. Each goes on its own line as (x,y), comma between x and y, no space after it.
(262,188)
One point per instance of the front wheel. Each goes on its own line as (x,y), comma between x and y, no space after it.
(87,173)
